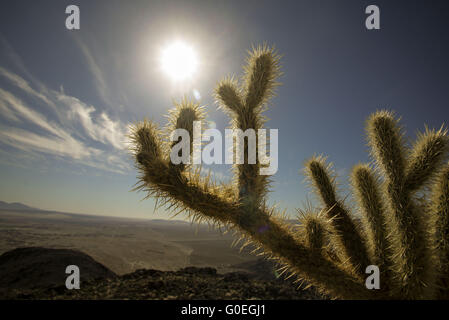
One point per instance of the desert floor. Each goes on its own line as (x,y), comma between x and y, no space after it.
(123,245)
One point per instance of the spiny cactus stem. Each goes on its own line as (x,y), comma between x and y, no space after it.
(312,266)
(366,191)
(440,213)
(314,235)
(350,245)
(413,266)
(251,185)
(426,156)
(412,261)
(275,238)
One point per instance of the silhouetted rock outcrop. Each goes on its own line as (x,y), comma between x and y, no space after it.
(34,267)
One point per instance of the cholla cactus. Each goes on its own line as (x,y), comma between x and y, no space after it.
(403,199)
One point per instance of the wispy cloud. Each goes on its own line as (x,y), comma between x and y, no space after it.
(24,139)
(7,112)
(18,109)
(100,128)
(100,82)
(84,134)
(25,86)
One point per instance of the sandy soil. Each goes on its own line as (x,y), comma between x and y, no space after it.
(123,245)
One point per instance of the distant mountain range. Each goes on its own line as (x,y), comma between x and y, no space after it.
(15,206)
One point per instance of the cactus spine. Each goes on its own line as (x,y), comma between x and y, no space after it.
(331,250)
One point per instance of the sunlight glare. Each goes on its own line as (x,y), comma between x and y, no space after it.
(179,61)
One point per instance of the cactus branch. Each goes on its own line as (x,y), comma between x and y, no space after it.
(261,72)
(387,146)
(182,117)
(413,269)
(347,239)
(315,230)
(367,194)
(427,154)
(228,96)
(366,191)
(440,214)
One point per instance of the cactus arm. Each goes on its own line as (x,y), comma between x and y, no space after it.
(426,156)
(182,117)
(314,230)
(366,191)
(261,72)
(387,147)
(413,268)
(310,265)
(346,238)
(228,96)
(440,215)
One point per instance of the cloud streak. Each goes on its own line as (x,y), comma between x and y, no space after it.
(24,86)
(100,82)
(81,134)
(101,128)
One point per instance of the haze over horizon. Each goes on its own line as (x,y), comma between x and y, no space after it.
(68,96)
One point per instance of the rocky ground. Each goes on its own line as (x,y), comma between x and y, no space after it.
(187,283)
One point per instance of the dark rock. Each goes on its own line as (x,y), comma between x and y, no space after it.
(236,276)
(34,267)
(195,270)
(155,285)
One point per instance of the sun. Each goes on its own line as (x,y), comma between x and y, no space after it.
(179,61)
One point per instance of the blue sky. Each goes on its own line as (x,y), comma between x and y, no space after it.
(67,97)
